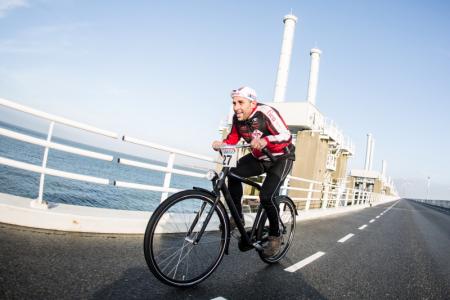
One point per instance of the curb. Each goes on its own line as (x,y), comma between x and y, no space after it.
(19,211)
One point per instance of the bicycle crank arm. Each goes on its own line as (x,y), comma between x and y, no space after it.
(258,246)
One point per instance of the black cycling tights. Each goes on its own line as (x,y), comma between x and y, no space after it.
(249,166)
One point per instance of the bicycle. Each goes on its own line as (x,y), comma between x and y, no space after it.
(189,233)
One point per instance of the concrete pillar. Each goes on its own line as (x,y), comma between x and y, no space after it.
(313,75)
(311,156)
(285,58)
(378,186)
(341,168)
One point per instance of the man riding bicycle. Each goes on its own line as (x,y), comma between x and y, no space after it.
(262,127)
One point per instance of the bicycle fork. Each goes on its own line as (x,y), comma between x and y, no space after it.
(194,224)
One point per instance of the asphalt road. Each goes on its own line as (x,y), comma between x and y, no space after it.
(402,254)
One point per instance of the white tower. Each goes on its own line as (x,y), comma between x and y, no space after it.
(372,147)
(285,58)
(368,152)
(383,169)
(313,75)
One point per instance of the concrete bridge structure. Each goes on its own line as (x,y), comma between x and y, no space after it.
(396,250)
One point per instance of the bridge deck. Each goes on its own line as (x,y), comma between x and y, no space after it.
(401,254)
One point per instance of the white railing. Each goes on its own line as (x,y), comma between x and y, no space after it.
(48,144)
(330,129)
(439,203)
(329,195)
(168,170)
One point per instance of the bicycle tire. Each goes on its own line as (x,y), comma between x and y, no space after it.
(288,216)
(169,252)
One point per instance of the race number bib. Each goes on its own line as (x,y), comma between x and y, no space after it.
(229,156)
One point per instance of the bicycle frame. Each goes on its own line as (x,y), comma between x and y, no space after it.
(219,187)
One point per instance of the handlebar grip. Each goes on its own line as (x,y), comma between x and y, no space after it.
(266,152)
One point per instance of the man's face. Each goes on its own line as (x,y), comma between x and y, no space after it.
(243,107)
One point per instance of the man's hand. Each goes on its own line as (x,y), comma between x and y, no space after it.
(258,144)
(217,144)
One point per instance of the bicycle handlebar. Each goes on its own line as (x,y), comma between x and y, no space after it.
(264,150)
(270,155)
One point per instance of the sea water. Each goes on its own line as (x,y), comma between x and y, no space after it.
(61,190)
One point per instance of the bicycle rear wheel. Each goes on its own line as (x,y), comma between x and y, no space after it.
(169,250)
(287,227)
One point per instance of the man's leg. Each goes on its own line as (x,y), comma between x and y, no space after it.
(274,179)
(247,166)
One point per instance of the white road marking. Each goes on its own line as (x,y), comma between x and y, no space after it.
(219,298)
(304,262)
(377,217)
(371,221)
(362,227)
(346,238)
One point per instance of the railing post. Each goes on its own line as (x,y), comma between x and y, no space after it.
(325,196)
(168,176)
(284,187)
(308,198)
(346,197)
(338,197)
(40,202)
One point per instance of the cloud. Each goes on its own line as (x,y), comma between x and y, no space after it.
(8,5)
(47,39)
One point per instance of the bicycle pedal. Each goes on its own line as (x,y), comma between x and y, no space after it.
(258,247)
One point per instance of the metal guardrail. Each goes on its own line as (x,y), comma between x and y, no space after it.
(330,195)
(47,144)
(439,203)
(168,170)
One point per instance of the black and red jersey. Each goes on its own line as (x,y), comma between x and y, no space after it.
(264,122)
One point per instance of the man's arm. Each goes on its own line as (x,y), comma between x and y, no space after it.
(278,129)
(232,138)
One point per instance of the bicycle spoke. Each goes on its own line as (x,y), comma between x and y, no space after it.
(174,256)
(175,268)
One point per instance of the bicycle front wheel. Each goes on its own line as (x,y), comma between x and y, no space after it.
(287,224)
(169,247)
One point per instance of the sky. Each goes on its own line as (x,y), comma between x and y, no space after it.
(162,71)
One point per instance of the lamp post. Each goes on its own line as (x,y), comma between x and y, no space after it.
(428,186)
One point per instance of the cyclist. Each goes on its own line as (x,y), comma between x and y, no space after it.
(262,127)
